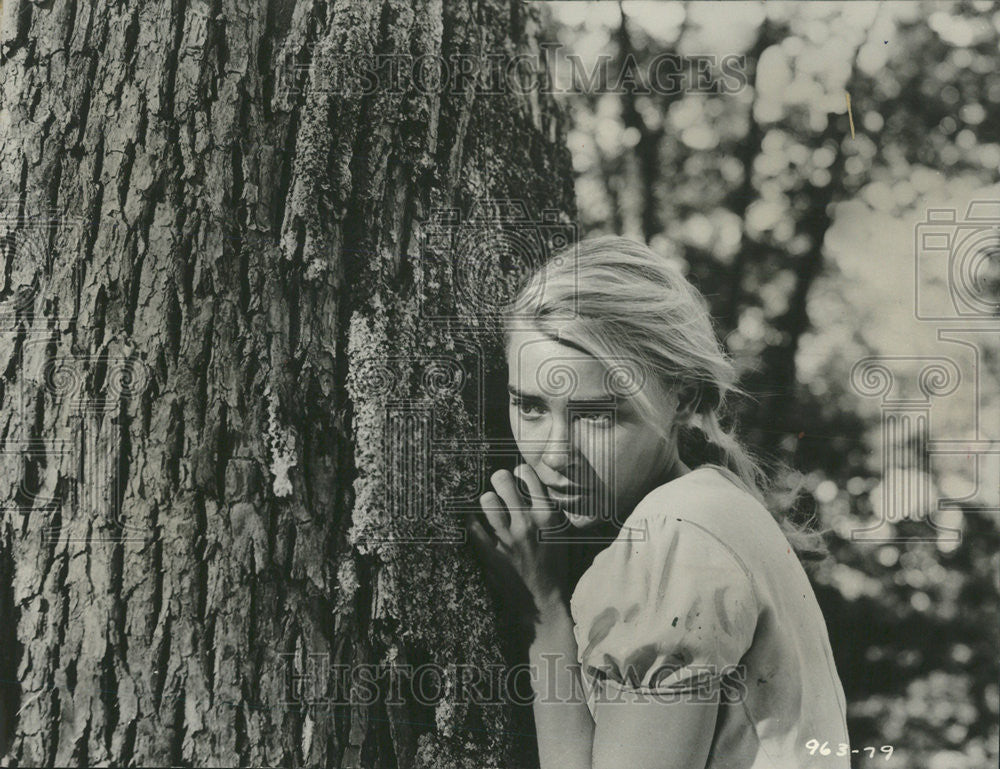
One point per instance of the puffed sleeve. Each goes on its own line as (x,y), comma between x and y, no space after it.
(668,614)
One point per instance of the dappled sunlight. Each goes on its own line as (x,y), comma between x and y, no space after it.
(809,245)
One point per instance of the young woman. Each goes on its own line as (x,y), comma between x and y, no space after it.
(693,639)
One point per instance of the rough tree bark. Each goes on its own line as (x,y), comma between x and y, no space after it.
(219,278)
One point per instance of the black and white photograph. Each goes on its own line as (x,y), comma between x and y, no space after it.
(500,384)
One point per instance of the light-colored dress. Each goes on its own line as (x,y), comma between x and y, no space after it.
(700,595)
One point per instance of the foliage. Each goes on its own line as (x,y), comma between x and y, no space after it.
(802,237)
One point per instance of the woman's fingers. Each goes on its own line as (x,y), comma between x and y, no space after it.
(478,534)
(535,489)
(503,482)
(499,575)
(487,548)
(506,488)
(497,515)
(484,542)
(542,511)
(509,511)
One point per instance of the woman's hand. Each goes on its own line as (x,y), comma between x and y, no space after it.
(532,574)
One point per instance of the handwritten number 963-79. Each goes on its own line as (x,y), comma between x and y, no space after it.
(816,747)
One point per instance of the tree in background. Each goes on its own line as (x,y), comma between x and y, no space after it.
(227,281)
(772,207)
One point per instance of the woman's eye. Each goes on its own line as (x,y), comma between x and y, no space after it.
(599,418)
(528,410)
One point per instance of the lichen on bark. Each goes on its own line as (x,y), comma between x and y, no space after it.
(255,240)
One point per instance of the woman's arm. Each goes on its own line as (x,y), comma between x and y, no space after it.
(634,730)
(562,719)
(643,731)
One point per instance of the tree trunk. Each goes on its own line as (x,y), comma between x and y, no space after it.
(241,388)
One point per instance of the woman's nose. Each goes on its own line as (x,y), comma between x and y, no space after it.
(557,448)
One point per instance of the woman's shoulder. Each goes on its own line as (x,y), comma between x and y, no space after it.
(667,590)
(707,492)
(687,515)
(674,533)
(715,501)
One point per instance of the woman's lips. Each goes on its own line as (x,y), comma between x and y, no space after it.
(564,496)
(579,519)
(573,506)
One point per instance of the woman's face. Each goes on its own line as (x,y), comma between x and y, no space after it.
(582,434)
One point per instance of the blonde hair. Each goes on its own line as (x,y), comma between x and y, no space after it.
(617,300)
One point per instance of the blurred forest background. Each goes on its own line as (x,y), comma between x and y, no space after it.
(804,240)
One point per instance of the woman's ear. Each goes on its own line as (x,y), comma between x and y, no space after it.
(688,397)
